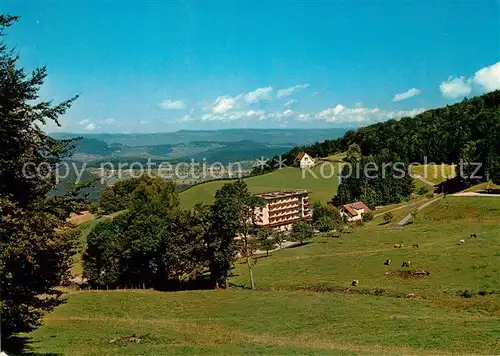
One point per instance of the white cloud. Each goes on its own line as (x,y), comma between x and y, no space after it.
(282,93)
(488,78)
(251,113)
(331,111)
(226,103)
(172,105)
(109,120)
(304,116)
(223,104)
(337,115)
(143,122)
(226,116)
(455,87)
(187,118)
(289,103)
(484,80)
(258,95)
(361,115)
(87,125)
(407,94)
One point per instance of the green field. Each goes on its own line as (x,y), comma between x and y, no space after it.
(323,186)
(305,305)
(339,157)
(435,173)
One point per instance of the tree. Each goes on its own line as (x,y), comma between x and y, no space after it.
(302,231)
(353,151)
(117,197)
(326,217)
(388,181)
(35,256)
(267,245)
(266,239)
(422,190)
(388,217)
(102,257)
(153,244)
(235,208)
(278,237)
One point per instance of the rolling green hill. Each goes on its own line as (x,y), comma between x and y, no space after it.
(322,189)
(305,303)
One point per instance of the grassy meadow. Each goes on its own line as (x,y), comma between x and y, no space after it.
(304,303)
(435,173)
(322,186)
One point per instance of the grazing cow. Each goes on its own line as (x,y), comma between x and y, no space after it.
(473,235)
(387,262)
(406,264)
(461,242)
(399,246)
(415,245)
(355,283)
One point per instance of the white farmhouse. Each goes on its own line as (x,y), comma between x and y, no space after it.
(303,160)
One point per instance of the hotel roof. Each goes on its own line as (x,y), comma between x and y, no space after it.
(278,194)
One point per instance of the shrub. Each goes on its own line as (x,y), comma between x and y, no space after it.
(465,294)
(388,217)
(367,217)
(422,190)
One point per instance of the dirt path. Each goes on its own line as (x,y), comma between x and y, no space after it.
(479,193)
(409,216)
(428,182)
(394,209)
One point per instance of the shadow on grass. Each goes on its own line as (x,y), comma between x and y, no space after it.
(384,223)
(240,286)
(304,243)
(20,345)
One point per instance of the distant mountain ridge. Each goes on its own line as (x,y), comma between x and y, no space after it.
(268,136)
(224,146)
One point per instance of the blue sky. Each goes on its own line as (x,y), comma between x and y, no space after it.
(151,66)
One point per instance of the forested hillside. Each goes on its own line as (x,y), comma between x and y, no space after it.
(468,130)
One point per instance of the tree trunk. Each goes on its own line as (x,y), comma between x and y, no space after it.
(252,283)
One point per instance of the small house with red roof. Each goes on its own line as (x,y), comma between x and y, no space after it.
(303,160)
(354,211)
